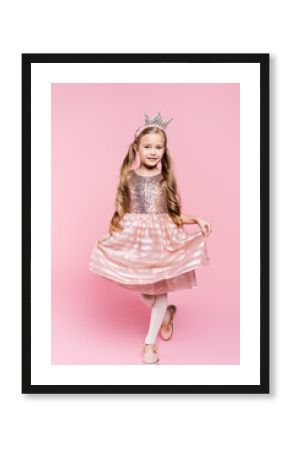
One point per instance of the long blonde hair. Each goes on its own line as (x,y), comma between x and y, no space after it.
(122,202)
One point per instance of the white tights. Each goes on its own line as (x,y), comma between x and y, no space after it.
(158,306)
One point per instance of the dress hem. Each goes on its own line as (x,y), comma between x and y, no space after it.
(155,281)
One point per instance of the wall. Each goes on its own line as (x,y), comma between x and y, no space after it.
(87,421)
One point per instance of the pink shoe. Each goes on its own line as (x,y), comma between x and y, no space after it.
(150,355)
(166,329)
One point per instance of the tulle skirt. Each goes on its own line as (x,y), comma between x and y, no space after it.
(150,255)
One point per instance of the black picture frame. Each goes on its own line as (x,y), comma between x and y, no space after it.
(208,58)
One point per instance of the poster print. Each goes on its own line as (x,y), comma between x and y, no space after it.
(145,266)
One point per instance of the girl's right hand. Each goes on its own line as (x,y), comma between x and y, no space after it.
(102,238)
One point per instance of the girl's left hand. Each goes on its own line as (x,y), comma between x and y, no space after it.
(204,225)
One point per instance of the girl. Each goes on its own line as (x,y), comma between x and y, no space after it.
(147,248)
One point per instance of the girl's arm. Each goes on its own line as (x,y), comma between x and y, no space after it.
(189,219)
(204,225)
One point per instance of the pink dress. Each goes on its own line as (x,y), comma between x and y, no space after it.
(151,254)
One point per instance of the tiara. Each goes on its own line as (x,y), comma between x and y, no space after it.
(156,121)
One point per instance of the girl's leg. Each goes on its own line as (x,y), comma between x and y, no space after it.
(148,300)
(158,311)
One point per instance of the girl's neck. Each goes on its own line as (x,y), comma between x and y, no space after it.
(147,172)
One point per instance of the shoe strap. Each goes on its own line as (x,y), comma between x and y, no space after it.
(155,348)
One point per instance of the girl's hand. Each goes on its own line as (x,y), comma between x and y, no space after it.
(102,238)
(204,225)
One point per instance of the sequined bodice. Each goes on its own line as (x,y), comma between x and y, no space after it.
(147,196)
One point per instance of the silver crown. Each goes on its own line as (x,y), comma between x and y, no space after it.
(157,121)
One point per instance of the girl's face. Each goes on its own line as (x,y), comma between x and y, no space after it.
(151,149)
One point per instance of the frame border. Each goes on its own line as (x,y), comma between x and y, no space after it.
(263,59)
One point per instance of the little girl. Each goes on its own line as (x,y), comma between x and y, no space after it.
(147,248)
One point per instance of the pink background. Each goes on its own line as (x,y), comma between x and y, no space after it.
(95,321)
